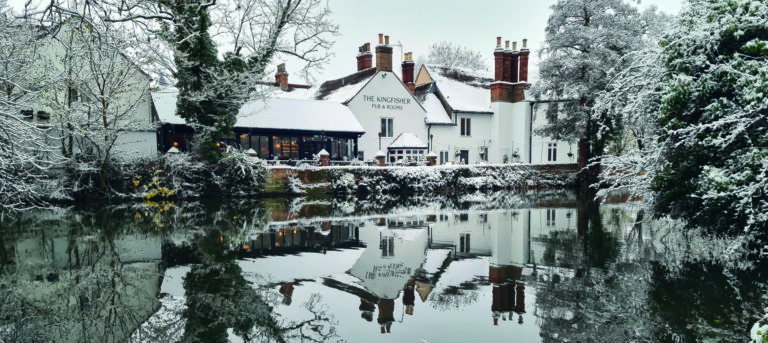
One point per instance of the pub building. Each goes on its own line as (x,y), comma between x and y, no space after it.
(462,116)
(276,128)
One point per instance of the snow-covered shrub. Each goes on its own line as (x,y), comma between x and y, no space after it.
(238,174)
(185,174)
(294,186)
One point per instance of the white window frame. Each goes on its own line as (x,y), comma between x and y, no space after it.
(389,126)
(552,152)
(466,127)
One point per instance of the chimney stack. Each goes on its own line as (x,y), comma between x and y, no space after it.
(281,77)
(524,52)
(364,57)
(498,58)
(507,86)
(515,65)
(506,76)
(408,66)
(383,55)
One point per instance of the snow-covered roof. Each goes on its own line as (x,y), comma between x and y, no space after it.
(407,140)
(343,89)
(274,113)
(298,114)
(436,113)
(165,104)
(464,90)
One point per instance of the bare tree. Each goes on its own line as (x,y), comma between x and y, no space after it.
(26,159)
(451,55)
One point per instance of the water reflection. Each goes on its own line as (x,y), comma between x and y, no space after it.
(435,269)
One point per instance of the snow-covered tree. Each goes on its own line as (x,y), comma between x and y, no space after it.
(629,108)
(585,39)
(451,55)
(714,118)
(26,158)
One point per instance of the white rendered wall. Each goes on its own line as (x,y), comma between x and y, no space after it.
(539,153)
(448,137)
(510,136)
(368,107)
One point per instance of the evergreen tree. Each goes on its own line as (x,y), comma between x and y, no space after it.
(585,40)
(201,102)
(713,118)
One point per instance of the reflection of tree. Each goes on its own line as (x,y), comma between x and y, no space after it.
(218,298)
(454,297)
(705,301)
(98,297)
(595,292)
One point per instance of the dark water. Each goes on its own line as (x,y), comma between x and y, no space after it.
(544,267)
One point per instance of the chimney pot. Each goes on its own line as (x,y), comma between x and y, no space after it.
(514,46)
(386,40)
(506,45)
(525,43)
(381,38)
(408,56)
(498,42)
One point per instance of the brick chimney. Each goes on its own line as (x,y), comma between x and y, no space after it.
(383,54)
(498,58)
(506,76)
(515,64)
(281,77)
(364,57)
(524,52)
(408,66)
(505,88)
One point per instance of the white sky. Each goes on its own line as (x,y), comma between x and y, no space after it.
(417,24)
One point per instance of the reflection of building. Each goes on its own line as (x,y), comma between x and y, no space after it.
(392,256)
(113,282)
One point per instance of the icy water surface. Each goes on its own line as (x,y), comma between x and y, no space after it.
(538,268)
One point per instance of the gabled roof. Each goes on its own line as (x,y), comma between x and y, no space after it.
(434,103)
(343,89)
(463,90)
(407,140)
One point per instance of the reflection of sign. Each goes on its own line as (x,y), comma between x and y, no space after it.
(389,271)
(386,102)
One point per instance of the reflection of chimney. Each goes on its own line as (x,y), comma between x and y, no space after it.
(281,77)
(408,66)
(364,57)
(383,55)
(524,52)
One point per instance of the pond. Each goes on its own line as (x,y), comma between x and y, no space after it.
(543,267)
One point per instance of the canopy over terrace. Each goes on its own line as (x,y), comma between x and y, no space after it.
(275,128)
(406,146)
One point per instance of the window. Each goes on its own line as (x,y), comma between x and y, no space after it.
(387,246)
(466,127)
(27,114)
(42,115)
(387,127)
(550,217)
(552,152)
(464,242)
(443,157)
